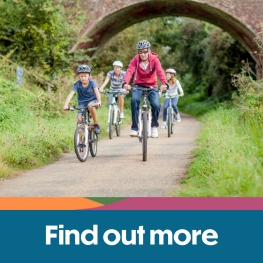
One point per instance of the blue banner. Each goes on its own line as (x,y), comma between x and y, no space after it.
(131,236)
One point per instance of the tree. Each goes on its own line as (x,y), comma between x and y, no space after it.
(39,33)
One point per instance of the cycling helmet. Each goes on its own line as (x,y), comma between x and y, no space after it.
(143,44)
(84,69)
(170,70)
(117,63)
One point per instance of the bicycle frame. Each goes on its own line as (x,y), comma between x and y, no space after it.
(82,144)
(115,106)
(170,101)
(170,115)
(145,107)
(84,121)
(144,119)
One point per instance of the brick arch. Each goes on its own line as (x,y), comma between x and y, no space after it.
(240,18)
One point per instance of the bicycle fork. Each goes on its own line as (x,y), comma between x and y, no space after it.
(85,129)
(86,134)
(149,122)
(109,112)
(115,111)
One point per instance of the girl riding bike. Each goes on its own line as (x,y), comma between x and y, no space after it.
(116,77)
(174,86)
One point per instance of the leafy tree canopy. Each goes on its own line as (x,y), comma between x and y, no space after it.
(39,33)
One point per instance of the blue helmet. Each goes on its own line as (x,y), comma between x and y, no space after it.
(83,69)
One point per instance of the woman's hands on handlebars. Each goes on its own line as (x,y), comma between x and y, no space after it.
(162,88)
(127,86)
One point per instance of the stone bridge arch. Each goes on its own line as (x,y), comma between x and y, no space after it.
(240,18)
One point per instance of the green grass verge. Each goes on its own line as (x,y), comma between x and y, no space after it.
(229,158)
(195,104)
(35,130)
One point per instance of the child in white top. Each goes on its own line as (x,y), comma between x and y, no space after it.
(116,77)
(174,86)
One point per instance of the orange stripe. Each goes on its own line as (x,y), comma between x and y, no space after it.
(47,203)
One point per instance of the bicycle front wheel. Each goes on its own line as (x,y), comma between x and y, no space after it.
(169,121)
(172,124)
(118,124)
(111,125)
(93,142)
(144,136)
(81,148)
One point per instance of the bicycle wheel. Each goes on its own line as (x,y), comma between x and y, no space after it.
(111,126)
(169,121)
(93,141)
(81,149)
(172,123)
(118,123)
(144,136)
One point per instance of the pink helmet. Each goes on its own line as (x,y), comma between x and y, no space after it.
(170,70)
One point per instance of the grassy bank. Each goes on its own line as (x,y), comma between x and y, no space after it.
(34,128)
(229,158)
(195,104)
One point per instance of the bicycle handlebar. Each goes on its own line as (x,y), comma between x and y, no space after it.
(120,91)
(145,89)
(169,96)
(95,105)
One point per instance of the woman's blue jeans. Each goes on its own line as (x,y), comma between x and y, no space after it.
(166,105)
(154,99)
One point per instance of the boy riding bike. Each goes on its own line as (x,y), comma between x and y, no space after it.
(88,94)
(145,65)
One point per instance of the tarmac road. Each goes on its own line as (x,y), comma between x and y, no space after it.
(116,171)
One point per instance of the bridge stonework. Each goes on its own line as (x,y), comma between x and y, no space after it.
(240,18)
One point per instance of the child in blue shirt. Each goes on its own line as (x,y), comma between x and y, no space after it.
(88,94)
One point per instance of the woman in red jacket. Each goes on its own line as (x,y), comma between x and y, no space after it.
(146,67)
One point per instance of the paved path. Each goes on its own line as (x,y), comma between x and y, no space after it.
(117,170)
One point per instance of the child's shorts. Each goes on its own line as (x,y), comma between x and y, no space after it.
(82,105)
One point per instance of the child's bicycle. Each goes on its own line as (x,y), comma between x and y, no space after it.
(85,138)
(145,118)
(114,119)
(170,115)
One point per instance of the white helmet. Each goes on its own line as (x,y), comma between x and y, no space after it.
(171,70)
(117,63)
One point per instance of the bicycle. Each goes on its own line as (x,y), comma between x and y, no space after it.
(114,113)
(145,118)
(85,139)
(170,115)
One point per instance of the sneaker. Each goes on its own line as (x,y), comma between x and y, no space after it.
(97,128)
(133,133)
(154,132)
(108,129)
(163,126)
(178,118)
(122,115)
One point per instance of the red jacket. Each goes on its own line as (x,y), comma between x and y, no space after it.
(147,77)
